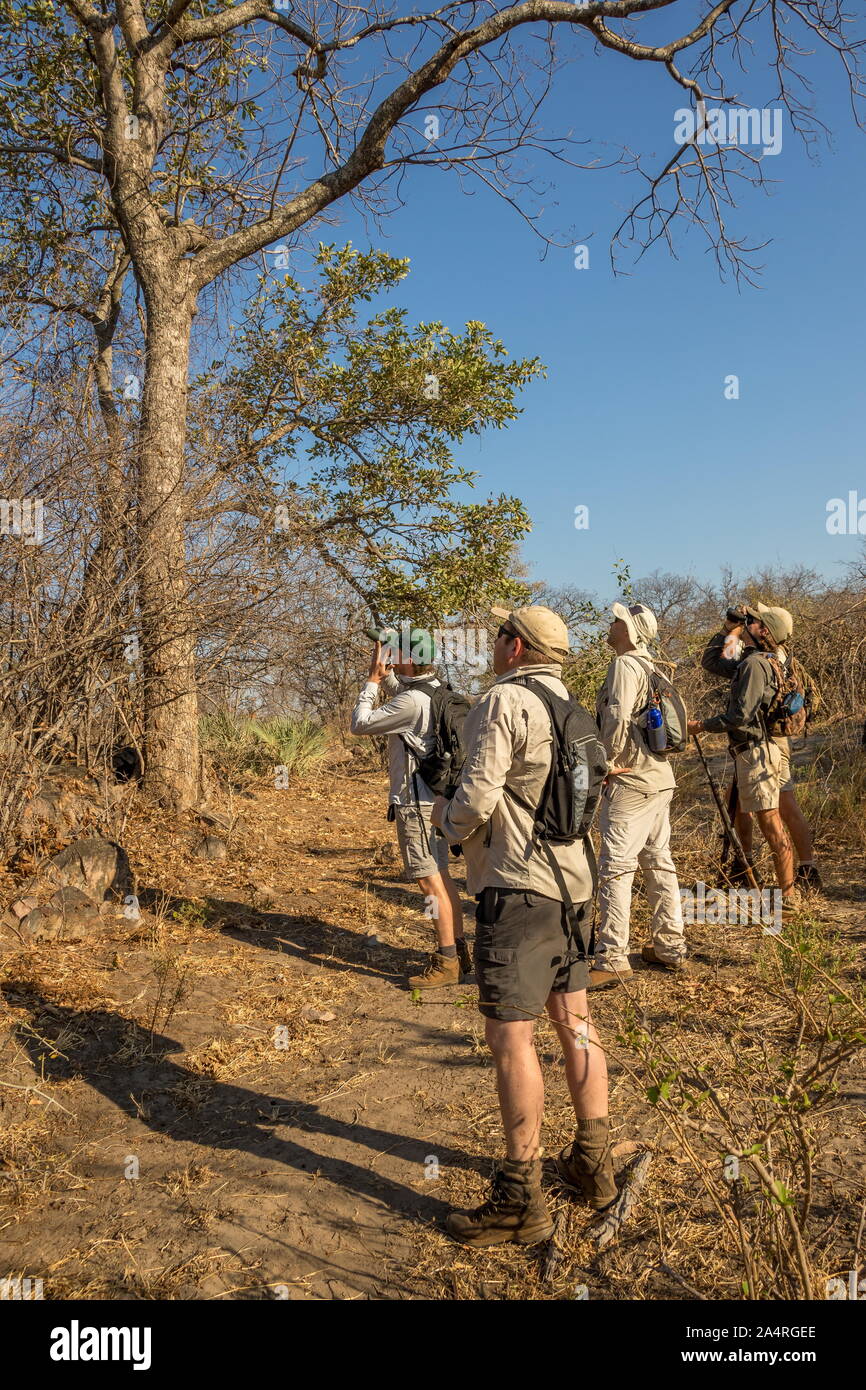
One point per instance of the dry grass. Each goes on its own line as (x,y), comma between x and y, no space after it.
(228,977)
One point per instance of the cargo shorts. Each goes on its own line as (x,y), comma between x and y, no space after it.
(758,769)
(424,852)
(786,781)
(527,947)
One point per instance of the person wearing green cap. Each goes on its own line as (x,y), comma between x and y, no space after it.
(405,717)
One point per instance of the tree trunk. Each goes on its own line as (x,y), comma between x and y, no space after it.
(167,635)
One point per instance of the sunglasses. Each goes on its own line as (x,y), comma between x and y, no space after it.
(505,632)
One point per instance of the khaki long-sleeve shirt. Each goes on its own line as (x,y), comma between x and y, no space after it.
(624,692)
(405,716)
(509,743)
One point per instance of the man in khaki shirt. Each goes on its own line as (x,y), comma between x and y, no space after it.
(758,760)
(635,820)
(723,656)
(532,935)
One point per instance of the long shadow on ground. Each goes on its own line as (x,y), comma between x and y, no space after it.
(302,936)
(229,1117)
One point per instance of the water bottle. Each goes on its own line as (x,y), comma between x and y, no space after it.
(655,727)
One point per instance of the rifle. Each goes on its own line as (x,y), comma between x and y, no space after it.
(728,850)
(730,830)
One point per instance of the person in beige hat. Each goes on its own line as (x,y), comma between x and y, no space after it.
(722,655)
(758,760)
(532,935)
(635,822)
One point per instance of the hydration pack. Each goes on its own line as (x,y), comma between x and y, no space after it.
(663,693)
(578,766)
(788,710)
(440,769)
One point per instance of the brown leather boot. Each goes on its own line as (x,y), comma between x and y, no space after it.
(439,970)
(587,1164)
(515,1210)
(650,955)
(607,979)
(467,968)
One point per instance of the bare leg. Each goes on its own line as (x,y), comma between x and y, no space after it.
(434,888)
(780,847)
(519,1084)
(797,827)
(585,1062)
(456,906)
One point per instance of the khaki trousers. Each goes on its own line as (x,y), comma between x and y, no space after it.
(636,831)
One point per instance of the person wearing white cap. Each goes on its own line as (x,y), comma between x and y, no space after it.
(635,820)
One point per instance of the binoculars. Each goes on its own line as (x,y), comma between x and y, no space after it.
(412,643)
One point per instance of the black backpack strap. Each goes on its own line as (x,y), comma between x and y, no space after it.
(430,690)
(426,689)
(571,907)
(420,812)
(509,791)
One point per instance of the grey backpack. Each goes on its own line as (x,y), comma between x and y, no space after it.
(673,709)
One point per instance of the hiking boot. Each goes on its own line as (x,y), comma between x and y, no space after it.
(439,970)
(467,968)
(648,953)
(808,878)
(792,901)
(607,979)
(586,1166)
(515,1210)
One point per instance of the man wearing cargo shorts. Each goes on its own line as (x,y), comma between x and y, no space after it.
(759,764)
(532,936)
(635,821)
(722,656)
(406,719)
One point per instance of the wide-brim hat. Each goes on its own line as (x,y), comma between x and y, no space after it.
(639,620)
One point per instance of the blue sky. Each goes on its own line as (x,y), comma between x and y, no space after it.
(632,420)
